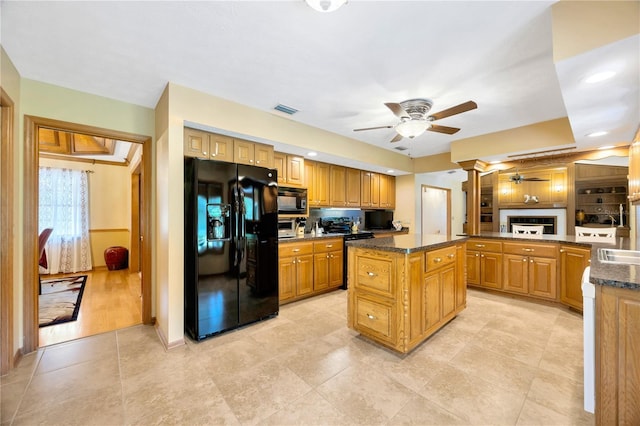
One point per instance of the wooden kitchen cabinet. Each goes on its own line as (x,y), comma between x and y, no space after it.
(352,183)
(484,263)
(530,268)
(573,261)
(369,189)
(387,192)
(290,169)
(400,299)
(338,191)
(548,186)
(327,264)
(209,146)
(316,176)
(617,361)
(295,269)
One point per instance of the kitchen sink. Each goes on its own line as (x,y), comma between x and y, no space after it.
(625,257)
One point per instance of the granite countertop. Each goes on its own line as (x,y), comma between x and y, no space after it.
(407,243)
(310,236)
(602,273)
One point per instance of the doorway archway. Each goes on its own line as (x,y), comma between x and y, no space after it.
(32,126)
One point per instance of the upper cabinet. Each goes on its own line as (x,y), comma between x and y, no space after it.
(290,169)
(533,188)
(211,146)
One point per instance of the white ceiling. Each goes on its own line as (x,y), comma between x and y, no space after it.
(338,69)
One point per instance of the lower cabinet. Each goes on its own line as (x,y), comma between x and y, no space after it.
(573,261)
(531,268)
(617,360)
(484,263)
(399,299)
(309,267)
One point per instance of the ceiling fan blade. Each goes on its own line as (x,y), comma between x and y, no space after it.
(467,106)
(397,110)
(373,128)
(536,179)
(396,138)
(443,129)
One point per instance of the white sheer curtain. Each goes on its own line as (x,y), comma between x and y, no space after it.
(64,206)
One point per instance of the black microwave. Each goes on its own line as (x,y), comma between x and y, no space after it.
(292,201)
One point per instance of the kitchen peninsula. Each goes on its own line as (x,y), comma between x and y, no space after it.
(402,289)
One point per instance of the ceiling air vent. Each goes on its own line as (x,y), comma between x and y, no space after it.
(286,109)
(401,148)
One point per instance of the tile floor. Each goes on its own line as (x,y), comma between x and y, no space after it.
(500,362)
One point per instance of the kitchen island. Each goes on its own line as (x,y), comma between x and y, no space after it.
(402,289)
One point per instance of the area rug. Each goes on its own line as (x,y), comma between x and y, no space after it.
(59,299)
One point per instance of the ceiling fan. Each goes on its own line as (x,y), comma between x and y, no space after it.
(414,119)
(518,179)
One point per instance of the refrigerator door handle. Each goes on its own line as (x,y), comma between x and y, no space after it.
(242,225)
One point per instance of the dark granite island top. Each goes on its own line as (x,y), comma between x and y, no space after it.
(408,243)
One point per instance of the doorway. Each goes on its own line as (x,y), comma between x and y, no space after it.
(32,130)
(436,210)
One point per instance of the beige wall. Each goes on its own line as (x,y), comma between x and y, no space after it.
(580,26)
(109,204)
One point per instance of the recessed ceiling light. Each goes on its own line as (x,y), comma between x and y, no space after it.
(607,147)
(599,76)
(390,171)
(596,134)
(495,162)
(311,154)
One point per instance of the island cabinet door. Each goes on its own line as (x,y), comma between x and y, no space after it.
(573,261)
(516,273)
(543,273)
(448,288)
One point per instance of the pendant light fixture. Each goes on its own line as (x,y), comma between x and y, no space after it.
(325,5)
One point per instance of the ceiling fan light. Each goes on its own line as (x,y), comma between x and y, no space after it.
(412,128)
(325,5)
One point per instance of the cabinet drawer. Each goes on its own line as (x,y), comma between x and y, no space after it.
(375,316)
(526,249)
(324,246)
(484,245)
(295,249)
(440,257)
(374,274)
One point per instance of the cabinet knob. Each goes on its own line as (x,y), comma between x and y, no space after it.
(296,250)
(371,274)
(531,261)
(477,254)
(437,260)
(561,250)
(371,317)
(327,256)
(451,256)
(204,152)
(528,249)
(480,245)
(482,255)
(329,245)
(524,260)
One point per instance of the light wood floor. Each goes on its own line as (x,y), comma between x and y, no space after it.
(112,300)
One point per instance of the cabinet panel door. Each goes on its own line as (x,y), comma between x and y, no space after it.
(309,182)
(338,187)
(221,148)
(320,271)
(280,163)
(196,143)
(491,270)
(287,277)
(335,268)
(243,152)
(263,155)
(573,262)
(304,265)
(365,189)
(375,190)
(295,170)
(448,283)
(473,267)
(516,273)
(353,187)
(543,273)
(432,300)
(322,181)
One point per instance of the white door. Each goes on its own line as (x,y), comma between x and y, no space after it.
(436,208)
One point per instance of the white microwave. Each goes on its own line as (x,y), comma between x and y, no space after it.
(292,201)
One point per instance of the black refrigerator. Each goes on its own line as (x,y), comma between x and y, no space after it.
(230,247)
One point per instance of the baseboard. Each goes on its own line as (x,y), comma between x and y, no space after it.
(163,339)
